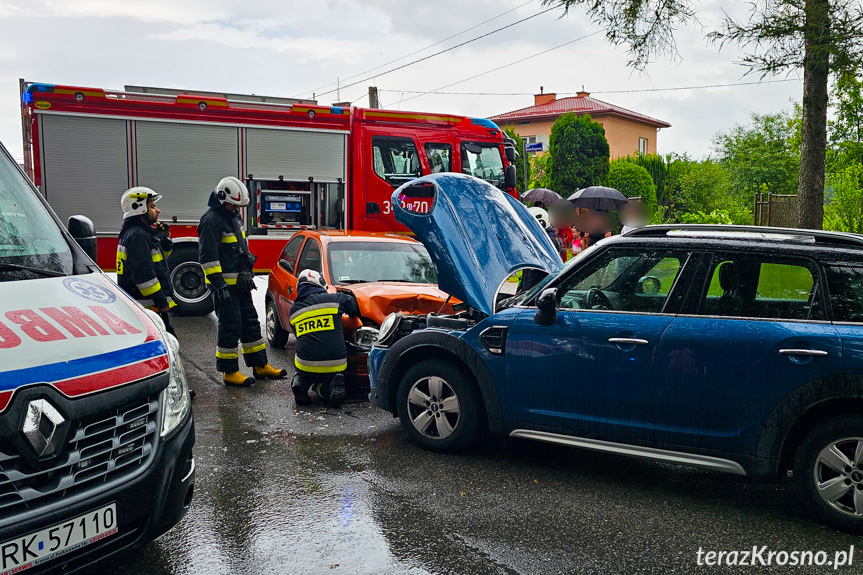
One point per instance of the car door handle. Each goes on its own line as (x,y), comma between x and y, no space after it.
(813,352)
(627,341)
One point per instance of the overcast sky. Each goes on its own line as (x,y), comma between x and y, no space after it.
(291,48)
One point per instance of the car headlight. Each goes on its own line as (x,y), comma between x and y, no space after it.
(176,402)
(389,327)
(365,336)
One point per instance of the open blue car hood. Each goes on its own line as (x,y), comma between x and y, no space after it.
(475,234)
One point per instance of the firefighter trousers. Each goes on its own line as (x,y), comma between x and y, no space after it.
(238,320)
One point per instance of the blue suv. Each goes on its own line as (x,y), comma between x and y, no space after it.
(737,349)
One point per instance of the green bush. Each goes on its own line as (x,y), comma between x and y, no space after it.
(844,211)
(705,189)
(714,217)
(633,181)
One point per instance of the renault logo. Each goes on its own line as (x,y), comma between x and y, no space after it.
(42,426)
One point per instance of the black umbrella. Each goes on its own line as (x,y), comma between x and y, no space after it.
(598,198)
(544,195)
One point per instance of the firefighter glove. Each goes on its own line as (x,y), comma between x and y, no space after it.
(246,281)
(221,295)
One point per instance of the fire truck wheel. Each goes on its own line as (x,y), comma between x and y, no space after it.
(187,278)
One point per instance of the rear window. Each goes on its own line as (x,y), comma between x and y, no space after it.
(846,293)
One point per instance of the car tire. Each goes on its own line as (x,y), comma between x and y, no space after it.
(187,279)
(828,472)
(276,334)
(440,406)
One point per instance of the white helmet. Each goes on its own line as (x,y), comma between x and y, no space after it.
(541,216)
(233,191)
(134,201)
(313,277)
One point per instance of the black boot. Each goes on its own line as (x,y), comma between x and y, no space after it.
(337,391)
(301,391)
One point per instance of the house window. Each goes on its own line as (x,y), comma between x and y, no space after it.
(524,123)
(642,146)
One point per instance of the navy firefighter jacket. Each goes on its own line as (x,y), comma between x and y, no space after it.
(316,318)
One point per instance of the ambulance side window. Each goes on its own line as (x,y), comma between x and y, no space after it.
(310,258)
(395,160)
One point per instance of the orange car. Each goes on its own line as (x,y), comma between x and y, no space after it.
(385,272)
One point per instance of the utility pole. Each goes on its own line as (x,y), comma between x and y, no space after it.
(373,97)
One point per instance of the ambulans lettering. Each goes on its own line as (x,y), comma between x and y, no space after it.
(323,323)
(115,323)
(74,320)
(8,338)
(34,325)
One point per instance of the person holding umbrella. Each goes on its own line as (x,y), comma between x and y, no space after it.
(599,200)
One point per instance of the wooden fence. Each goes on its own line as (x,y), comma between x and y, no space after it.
(778,210)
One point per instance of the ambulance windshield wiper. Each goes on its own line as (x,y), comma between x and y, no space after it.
(39,271)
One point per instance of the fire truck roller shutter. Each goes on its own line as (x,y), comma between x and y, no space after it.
(183,162)
(296,155)
(85,168)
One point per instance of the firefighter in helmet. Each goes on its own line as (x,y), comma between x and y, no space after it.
(227,262)
(142,253)
(321,356)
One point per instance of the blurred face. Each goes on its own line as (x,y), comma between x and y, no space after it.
(231,207)
(634,214)
(152,212)
(594,222)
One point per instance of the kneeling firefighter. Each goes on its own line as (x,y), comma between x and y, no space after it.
(321,356)
(227,262)
(142,253)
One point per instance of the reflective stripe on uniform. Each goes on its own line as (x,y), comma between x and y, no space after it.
(254,346)
(230,279)
(213,267)
(152,304)
(121,259)
(229,238)
(227,353)
(168,253)
(330,366)
(156,255)
(150,287)
(314,311)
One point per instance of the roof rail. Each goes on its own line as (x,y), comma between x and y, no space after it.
(820,236)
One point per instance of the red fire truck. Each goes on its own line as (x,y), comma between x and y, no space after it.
(306,166)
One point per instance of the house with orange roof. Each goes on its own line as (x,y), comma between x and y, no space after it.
(627,132)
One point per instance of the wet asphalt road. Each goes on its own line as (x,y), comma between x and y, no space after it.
(282,490)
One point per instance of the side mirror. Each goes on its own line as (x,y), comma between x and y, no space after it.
(510,153)
(84,232)
(287,266)
(546,305)
(510,177)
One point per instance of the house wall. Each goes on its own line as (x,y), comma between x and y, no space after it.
(622,133)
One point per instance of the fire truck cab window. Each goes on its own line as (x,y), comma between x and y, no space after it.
(483,160)
(439,157)
(395,160)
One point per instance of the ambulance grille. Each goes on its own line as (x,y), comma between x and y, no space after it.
(100,449)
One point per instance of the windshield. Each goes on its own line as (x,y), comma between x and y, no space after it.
(28,234)
(483,160)
(359,262)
